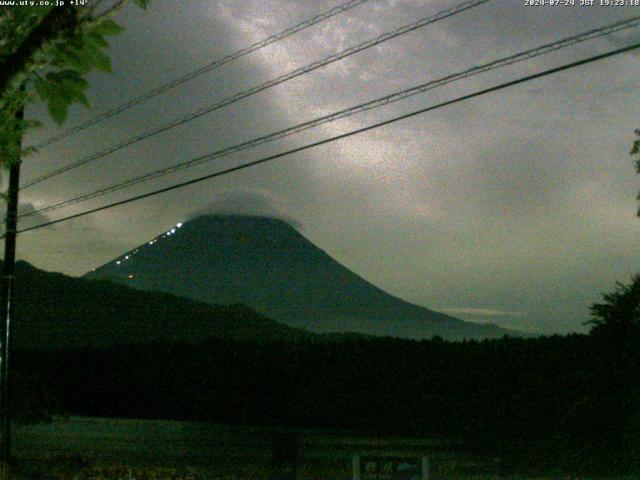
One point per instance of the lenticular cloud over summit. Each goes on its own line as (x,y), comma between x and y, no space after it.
(248,203)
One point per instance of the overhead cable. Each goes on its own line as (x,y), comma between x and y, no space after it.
(370,105)
(202,70)
(337,137)
(263,86)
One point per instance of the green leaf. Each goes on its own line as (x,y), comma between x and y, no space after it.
(102,61)
(96,39)
(67,57)
(75,91)
(81,97)
(142,3)
(69,75)
(32,124)
(77,84)
(107,27)
(76,42)
(87,55)
(42,88)
(58,109)
(65,94)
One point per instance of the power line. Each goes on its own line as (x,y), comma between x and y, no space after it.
(385,100)
(338,137)
(204,69)
(264,86)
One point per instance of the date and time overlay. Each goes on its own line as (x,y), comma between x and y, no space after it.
(581,3)
(526,3)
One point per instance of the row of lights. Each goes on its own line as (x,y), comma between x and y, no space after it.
(170,232)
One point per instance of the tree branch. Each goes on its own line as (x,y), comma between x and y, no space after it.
(59,21)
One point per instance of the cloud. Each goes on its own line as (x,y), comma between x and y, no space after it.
(24,208)
(479,312)
(508,199)
(255,202)
(514,320)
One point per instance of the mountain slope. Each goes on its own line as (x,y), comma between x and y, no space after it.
(268,265)
(56,311)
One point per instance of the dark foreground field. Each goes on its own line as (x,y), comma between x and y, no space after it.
(114,448)
(95,448)
(523,408)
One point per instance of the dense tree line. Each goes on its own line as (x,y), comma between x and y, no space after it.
(571,399)
(567,400)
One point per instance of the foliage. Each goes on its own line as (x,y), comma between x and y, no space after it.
(46,53)
(513,398)
(616,328)
(619,314)
(524,399)
(141,315)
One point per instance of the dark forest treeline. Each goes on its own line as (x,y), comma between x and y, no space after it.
(572,398)
(55,311)
(576,394)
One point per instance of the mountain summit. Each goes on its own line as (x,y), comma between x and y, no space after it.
(269,266)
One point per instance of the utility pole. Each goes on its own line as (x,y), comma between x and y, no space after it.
(6,308)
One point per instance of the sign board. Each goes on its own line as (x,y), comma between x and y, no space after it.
(390,468)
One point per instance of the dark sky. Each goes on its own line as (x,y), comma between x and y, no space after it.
(516,208)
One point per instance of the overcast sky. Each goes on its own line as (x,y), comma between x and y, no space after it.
(517,207)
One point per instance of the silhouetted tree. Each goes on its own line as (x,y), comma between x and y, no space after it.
(618,316)
(616,329)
